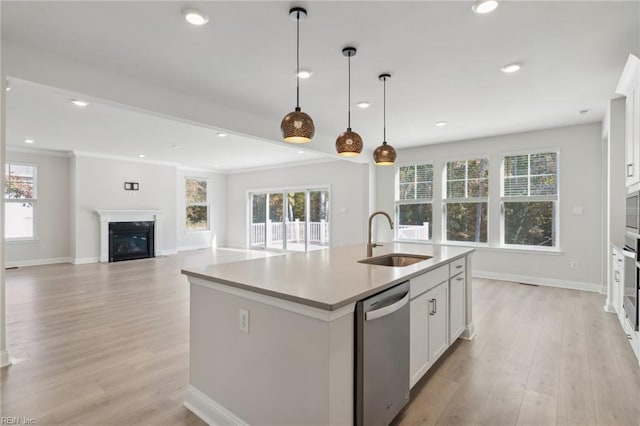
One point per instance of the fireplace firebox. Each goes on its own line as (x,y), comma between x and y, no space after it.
(130,240)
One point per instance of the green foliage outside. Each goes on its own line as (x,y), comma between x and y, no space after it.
(467,222)
(19,184)
(197,212)
(529,223)
(318,201)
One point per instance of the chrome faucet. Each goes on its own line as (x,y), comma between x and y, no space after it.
(371,245)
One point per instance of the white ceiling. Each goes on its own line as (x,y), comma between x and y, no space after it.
(443,58)
(47,117)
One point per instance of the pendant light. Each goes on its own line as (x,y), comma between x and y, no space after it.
(349,143)
(297,127)
(385,154)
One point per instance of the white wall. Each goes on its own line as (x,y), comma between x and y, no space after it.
(217,196)
(52,212)
(99,184)
(349,197)
(581,185)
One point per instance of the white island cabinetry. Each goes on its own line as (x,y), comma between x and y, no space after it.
(272,340)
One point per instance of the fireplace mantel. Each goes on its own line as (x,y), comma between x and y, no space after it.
(107,216)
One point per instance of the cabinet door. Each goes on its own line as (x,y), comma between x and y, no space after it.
(438,321)
(456,307)
(630,167)
(419,338)
(636,136)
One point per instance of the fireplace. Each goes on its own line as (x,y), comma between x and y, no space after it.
(150,217)
(131,240)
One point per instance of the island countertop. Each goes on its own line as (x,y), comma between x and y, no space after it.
(326,279)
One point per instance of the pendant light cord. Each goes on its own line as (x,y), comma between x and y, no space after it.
(298,61)
(384,110)
(349,98)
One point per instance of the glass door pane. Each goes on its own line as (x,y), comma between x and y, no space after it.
(296,221)
(257,229)
(275,233)
(318,227)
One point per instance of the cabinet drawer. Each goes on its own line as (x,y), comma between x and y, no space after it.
(457,266)
(428,280)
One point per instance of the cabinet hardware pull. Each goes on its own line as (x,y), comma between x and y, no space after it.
(432,310)
(458,266)
(435,306)
(629,170)
(459,279)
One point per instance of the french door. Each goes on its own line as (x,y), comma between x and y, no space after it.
(292,220)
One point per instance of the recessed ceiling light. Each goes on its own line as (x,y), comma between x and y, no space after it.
(222,135)
(141,155)
(305,73)
(511,68)
(79,103)
(216,165)
(584,111)
(364,104)
(441,123)
(195,17)
(29,141)
(300,152)
(484,6)
(7,85)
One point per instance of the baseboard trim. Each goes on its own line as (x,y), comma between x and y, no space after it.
(167,252)
(189,248)
(208,410)
(610,309)
(37,262)
(548,282)
(84,260)
(469,332)
(4,359)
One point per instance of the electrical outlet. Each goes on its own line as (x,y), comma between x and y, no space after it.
(573,264)
(244,320)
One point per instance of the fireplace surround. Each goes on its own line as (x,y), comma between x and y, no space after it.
(108,217)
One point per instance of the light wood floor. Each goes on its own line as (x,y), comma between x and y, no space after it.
(108,344)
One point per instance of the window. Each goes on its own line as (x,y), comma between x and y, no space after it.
(197,204)
(414,207)
(465,200)
(20,195)
(529,199)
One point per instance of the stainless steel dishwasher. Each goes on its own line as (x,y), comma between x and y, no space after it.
(382,356)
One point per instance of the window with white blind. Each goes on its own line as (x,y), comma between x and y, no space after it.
(530,199)
(414,202)
(20,200)
(465,199)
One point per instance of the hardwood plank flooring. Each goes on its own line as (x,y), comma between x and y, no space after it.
(109,344)
(542,356)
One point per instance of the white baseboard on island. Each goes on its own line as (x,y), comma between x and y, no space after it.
(4,359)
(469,332)
(208,410)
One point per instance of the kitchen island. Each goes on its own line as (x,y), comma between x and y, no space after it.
(272,339)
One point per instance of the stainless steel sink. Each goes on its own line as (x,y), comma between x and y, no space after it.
(395,259)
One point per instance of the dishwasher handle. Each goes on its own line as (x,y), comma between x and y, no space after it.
(386,310)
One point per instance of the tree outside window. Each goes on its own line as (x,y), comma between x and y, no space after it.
(197,205)
(529,199)
(466,200)
(20,201)
(414,198)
